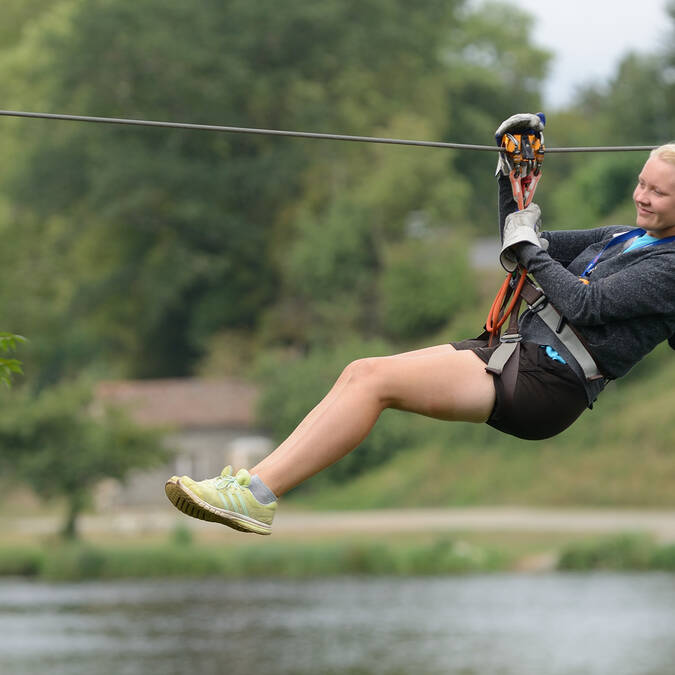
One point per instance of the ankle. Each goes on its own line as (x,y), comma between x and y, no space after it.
(261,491)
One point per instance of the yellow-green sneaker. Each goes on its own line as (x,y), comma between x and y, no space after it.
(225,499)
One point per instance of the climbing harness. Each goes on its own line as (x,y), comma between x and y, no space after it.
(523,155)
(537,302)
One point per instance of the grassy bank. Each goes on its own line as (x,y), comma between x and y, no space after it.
(430,555)
(625,552)
(444,555)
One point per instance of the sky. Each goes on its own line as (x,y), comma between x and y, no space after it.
(589,38)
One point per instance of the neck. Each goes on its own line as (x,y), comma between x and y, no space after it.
(661,234)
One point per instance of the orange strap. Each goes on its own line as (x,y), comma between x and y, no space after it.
(527,156)
(498,313)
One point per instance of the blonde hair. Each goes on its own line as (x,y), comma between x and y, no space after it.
(665,153)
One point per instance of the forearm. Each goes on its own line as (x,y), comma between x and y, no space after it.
(627,292)
(565,245)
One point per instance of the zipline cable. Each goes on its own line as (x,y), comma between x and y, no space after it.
(301,134)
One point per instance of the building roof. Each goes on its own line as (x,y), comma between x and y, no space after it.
(184,402)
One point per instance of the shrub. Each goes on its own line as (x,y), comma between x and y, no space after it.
(622,552)
(424,284)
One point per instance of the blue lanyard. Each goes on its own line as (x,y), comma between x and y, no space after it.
(619,239)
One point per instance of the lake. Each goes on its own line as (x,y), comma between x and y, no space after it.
(502,624)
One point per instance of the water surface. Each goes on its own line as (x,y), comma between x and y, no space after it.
(553,624)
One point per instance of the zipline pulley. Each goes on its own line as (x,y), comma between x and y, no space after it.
(523,154)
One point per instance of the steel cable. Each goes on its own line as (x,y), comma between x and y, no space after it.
(302,134)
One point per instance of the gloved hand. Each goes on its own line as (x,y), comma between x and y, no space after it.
(517,124)
(520,226)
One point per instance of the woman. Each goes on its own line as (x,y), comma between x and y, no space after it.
(609,300)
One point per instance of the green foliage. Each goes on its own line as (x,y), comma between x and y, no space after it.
(181,535)
(9,367)
(623,552)
(424,284)
(74,561)
(153,241)
(600,190)
(16,15)
(664,558)
(24,561)
(78,561)
(435,555)
(637,102)
(328,273)
(332,256)
(61,445)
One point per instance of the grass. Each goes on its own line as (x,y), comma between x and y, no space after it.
(623,552)
(181,556)
(286,559)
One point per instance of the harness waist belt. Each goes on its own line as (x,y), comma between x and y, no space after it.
(537,302)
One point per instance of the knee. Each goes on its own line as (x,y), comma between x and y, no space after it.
(366,373)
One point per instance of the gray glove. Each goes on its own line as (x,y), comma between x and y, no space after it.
(520,227)
(517,124)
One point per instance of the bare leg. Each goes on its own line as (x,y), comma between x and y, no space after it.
(339,385)
(438,382)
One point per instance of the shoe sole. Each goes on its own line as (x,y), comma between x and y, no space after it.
(191,505)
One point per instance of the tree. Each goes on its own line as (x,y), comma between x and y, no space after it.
(60,445)
(600,191)
(425,283)
(167,237)
(8,366)
(17,14)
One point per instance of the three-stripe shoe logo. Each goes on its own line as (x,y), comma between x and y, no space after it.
(233,501)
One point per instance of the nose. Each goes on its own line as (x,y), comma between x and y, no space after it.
(640,195)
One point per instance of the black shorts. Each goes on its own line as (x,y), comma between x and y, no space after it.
(548,396)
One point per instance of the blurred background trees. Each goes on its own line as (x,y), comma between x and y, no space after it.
(148,242)
(62,444)
(151,252)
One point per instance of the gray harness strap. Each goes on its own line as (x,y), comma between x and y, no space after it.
(500,356)
(504,360)
(552,318)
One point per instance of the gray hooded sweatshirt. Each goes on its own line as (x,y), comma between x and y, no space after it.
(626,310)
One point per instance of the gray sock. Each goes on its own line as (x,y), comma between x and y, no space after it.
(260,491)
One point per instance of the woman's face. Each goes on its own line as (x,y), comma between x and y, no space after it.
(654,198)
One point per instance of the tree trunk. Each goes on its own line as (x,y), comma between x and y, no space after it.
(76,503)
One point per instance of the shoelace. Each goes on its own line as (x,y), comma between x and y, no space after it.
(225,482)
